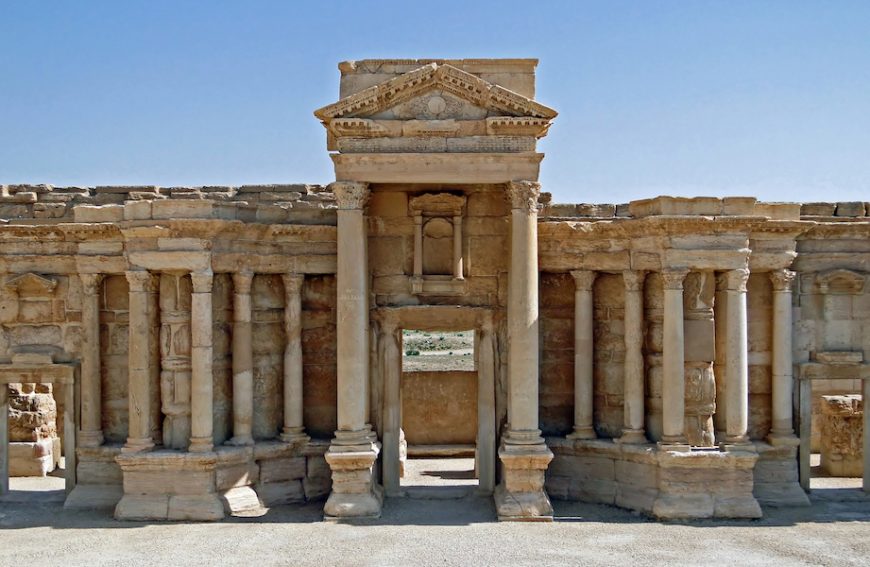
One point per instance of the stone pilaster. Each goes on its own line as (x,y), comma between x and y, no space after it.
(633,397)
(201,379)
(293,429)
(354,450)
(737,370)
(782,431)
(243,360)
(583,355)
(139,438)
(391,367)
(457,248)
(4,439)
(673,379)
(523,453)
(91,433)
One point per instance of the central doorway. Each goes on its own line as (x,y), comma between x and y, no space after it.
(442,453)
(439,413)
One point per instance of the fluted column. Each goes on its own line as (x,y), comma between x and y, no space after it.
(243,360)
(293,422)
(782,380)
(673,380)
(201,380)
(583,354)
(91,433)
(737,370)
(142,285)
(633,397)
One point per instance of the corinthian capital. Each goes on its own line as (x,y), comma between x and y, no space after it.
(782,279)
(350,194)
(202,281)
(141,281)
(672,278)
(583,279)
(91,283)
(524,195)
(633,279)
(735,280)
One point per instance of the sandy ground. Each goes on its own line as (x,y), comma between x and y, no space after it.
(437,351)
(433,531)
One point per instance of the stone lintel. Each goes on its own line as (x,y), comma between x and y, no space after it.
(437,168)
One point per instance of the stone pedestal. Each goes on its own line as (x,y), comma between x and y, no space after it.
(842,436)
(521,495)
(355,491)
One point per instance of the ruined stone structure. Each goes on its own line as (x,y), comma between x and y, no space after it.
(238,346)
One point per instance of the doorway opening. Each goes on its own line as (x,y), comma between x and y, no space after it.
(439,413)
(836,432)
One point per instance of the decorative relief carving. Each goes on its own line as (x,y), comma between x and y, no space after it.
(91,283)
(32,285)
(782,280)
(524,195)
(633,279)
(202,281)
(517,126)
(350,194)
(429,77)
(437,204)
(840,282)
(141,281)
(357,128)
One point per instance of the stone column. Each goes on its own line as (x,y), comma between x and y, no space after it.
(243,360)
(486,436)
(457,248)
(523,453)
(418,245)
(673,379)
(294,429)
(737,370)
(782,384)
(353,451)
(201,379)
(583,354)
(142,285)
(391,366)
(720,365)
(633,430)
(91,433)
(4,438)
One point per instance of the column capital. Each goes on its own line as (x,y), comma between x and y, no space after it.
(141,281)
(524,195)
(733,280)
(293,283)
(91,283)
(673,278)
(584,279)
(633,279)
(202,281)
(350,195)
(242,281)
(782,280)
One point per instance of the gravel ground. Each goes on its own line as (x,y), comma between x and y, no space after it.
(439,532)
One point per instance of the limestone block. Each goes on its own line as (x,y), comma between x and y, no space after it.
(98,472)
(93,497)
(191,482)
(638,475)
(683,506)
(137,210)
(23,197)
(242,474)
(143,507)
(316,488)
(850,209)
(241,500)
(276,470)
(8,211)
(102,213)
(278,493)
(49,210)
(818,209)
(34,458)
(202,507)
(842,435)
(634,497)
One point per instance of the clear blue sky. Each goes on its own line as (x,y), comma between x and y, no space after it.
(692,97)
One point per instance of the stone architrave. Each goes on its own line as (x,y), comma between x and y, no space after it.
(294,429)
(523,453)
(782,431)
(633,424)
(201,380)
(354,450)
(243,360)
(142,284)
(673,383)
(91,432)
(583,355)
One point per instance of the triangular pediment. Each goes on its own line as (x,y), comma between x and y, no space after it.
(453,85)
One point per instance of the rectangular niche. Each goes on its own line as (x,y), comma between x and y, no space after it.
(438,262)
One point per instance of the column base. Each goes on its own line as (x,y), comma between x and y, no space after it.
(355,493)
(738,447)
(294,435)
(580,433)
(680,445)
(632,437)
(240,441)
(89,438)
(521,495)
(138,445)
(783,439)
(201,445)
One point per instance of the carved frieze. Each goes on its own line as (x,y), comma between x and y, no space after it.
(437,204)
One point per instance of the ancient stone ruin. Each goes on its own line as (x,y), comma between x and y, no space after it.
(227,348)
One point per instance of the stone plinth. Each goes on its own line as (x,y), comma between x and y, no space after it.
(521,495)
(355,493)
(100,480)
(842,435)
